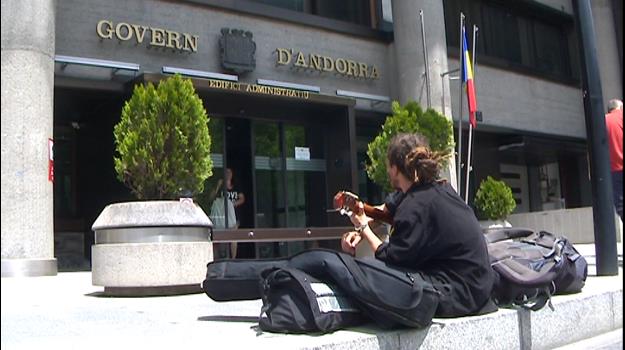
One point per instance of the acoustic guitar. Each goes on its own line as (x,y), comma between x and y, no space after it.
(347,203)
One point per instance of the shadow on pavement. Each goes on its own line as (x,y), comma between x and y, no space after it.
(228,318)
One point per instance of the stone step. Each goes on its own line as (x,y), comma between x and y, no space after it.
(608,341)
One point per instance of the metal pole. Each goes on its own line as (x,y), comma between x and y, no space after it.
(470,144)
(425,59)
(601,179)
(443,93)
(459,165)
(475,29)
(443,85)
(466,180)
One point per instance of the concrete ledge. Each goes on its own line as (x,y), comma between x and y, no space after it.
(576,318)
(71,312)
(494,331)
(595,311)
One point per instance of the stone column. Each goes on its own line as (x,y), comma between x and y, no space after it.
(28,33)
(410,64)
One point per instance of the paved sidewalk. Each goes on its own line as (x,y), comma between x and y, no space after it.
(67,312)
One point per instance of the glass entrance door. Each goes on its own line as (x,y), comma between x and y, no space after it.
(305,176)
(268,171)
(281,170)
(289,165)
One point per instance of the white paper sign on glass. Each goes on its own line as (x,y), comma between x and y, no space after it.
(302,153)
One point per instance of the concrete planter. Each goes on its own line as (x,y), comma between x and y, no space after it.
(494,224)
(151,248)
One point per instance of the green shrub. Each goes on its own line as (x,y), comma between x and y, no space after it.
(162,141)
(407,119)
(494,199)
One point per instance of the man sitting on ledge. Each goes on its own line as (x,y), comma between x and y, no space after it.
(433,232)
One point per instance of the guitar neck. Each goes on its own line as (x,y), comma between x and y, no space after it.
(378,214)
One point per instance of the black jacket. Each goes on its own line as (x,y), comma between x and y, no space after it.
(436,233)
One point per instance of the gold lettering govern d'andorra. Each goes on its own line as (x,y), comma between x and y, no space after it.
(258,89)
(157,36)
(322,63)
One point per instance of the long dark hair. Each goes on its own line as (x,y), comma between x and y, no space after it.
(411,154)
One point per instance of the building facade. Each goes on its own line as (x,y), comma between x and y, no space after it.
(295,91)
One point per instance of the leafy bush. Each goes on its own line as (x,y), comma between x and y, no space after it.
(408,119)
(162,141)
(494,199)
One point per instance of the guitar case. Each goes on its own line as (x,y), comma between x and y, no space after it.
(389,295)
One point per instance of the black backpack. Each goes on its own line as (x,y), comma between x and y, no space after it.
(295,302)
(532,266)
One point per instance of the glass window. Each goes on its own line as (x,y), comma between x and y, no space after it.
(65,187)
(288,168)
(550,191)
(295,5)
(509,35)
(301,184)
(551,53)
(305,172)
(366,132)
(502,37)
(270,209)
(211,185)
(354,11)
(212,200)
(368,191)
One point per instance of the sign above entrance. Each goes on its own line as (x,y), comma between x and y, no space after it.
(257,89)
(157,37)
(326,64)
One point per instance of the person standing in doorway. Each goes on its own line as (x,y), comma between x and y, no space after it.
(237,198)
(234,195)
(614,127)
(225,211)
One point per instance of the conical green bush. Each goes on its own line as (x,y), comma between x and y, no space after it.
(162,141)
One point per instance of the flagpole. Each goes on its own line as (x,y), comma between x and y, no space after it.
(425,60)
(470,144)
(459,165)
(466,188)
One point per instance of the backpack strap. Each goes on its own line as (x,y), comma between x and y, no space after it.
(267,278)
(540,301)
(556,251)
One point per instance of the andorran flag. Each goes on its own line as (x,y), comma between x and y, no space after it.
(467,79)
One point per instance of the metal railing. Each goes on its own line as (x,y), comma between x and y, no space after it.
(277,234)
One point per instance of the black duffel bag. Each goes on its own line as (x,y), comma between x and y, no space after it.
(237,279)
(389,295)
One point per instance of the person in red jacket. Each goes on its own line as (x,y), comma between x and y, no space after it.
(614,127)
